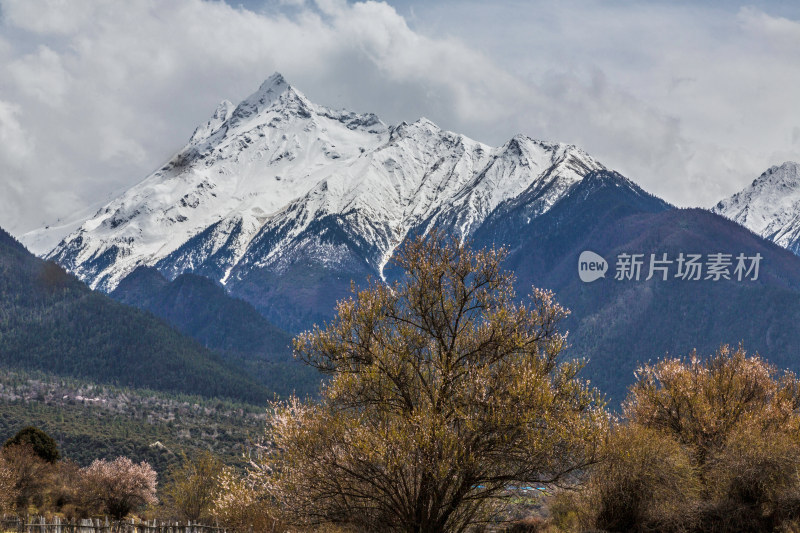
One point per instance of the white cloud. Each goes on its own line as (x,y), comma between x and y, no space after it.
(51,16)
(692,102)
(16,149)
(16,145)
(111,89)
(41,75)
(781,33)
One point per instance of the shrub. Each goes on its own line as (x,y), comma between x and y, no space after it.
(708,445)
(31,476)
(193,486)
(646,481)
(40,442)
(65,491)
(701,402)
(244,505)
(8,495)
(754,482)
(118,487)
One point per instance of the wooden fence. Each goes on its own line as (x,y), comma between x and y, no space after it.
(40,524)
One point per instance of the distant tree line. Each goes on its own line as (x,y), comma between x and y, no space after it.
(91,422)
(35,480)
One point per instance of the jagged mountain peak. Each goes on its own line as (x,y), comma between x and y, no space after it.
(274,92)
(275,83)
(221,115)
(271,180)
(270,91)
(608,178)
(420,127)
(624,191)
(786,174)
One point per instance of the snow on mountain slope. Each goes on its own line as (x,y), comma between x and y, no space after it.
(770,206)
(41,240)
(253,183)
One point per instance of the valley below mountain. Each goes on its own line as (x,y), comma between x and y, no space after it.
(90,421)
(277,206)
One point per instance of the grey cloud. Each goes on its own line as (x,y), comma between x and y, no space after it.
(691,142)
(687,99)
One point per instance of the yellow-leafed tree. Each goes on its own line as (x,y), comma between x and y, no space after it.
(708,444)
(193,486)
(445,395)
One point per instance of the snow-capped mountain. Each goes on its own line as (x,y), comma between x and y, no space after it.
(770,206)
(255,184)
(284,202)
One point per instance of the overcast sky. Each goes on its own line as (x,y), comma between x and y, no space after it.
(690,99)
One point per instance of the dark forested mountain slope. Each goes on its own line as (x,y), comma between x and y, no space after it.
(619,324)
(201,309)
(51,321)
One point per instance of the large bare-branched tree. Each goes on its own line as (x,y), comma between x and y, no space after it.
(445,395)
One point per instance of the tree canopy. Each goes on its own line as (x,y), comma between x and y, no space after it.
(118,487)
(42,444)
(708,444)
(193,486)
(445,395)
